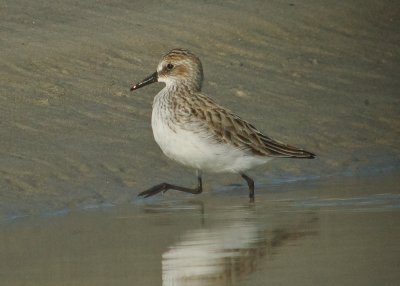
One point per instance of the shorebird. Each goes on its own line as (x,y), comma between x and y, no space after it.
(192,129)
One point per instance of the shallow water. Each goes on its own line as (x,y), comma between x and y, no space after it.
(302,234)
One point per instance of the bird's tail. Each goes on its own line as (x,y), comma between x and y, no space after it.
(278,149)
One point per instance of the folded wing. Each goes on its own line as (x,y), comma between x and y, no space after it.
(229,128)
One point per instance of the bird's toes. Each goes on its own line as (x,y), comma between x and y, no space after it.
(148,193)
(152,191)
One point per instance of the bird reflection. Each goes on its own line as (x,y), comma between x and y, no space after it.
(222,255)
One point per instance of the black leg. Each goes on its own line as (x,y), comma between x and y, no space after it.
(250,183)
(163,187)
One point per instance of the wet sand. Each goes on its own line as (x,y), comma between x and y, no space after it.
(319,75)
(77,147)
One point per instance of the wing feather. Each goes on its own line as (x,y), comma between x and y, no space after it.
(227,127)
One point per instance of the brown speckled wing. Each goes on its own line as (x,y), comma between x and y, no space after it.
(225,126)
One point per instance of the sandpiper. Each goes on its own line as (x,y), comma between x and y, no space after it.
(192,129)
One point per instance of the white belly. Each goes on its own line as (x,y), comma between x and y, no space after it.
(196,150)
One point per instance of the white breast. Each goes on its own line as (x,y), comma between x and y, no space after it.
(196,149)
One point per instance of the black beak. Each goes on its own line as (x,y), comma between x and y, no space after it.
(148,80)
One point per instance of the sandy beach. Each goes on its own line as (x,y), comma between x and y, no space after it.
(77,146)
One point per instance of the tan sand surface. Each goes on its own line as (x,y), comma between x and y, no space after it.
(318,74)
(77,146)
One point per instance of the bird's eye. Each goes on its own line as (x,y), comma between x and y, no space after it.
(170,66)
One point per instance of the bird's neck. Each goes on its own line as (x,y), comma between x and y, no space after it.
(172,94)
(186,87)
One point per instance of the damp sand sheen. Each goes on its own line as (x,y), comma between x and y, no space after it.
(77,145)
